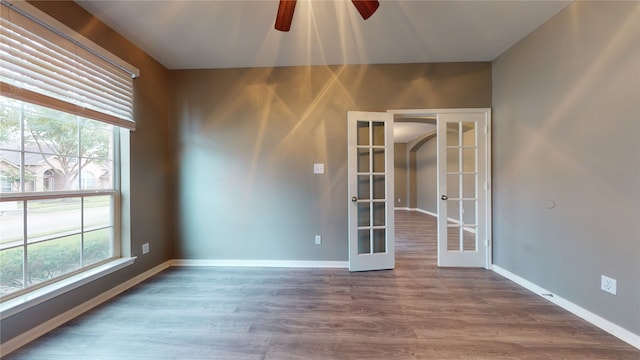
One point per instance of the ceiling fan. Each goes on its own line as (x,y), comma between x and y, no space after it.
(366,8)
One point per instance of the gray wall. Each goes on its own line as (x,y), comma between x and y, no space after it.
(400,175)
(149,196)
(427,176)
(566,128)
(248,138)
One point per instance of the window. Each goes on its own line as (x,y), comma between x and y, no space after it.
(58,228)
(88,181)
(63,102)
(48,180)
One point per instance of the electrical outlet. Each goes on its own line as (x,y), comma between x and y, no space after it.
(318,239)
(145,248)
(608,284)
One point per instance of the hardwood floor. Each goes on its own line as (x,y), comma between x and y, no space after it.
(417,311)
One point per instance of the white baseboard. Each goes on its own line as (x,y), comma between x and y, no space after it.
(34,333)
(402,208)
(23,339)
(604,324)
(262,263)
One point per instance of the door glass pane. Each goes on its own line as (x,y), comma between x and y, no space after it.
(453,134)
(363,160)
(469,135)
(453,209)
(453,160)
(379,214)
(469,209)
(378,160)
(453,186)
(379,241)
(364,187)
(364,242)
(379,187)
(469,160)
(363,133)
(469,238)
(453,237)
(364,214)
(469,186)
(378,133)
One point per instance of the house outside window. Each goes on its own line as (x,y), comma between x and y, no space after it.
(48,180)
(5,182)
(87,181)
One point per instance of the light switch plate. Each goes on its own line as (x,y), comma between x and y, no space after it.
(318,168)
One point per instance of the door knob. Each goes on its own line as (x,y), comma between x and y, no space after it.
(354,199)
(444,197)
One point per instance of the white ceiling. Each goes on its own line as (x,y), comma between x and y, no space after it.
(184,34)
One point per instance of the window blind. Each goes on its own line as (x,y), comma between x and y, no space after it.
(44,66)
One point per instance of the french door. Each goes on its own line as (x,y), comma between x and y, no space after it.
(463,234)
(370,182)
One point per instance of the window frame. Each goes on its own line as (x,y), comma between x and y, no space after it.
(121,257)
(24,196)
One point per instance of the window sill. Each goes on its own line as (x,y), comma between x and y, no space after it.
(33,298)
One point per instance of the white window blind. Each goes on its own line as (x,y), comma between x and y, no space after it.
(41,64)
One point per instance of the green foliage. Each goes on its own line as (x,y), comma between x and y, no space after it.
(70,142)
(13,175)
(60,136)
(50,259)
(11,268)
(9,122)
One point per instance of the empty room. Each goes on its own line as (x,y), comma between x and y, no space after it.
(319,179)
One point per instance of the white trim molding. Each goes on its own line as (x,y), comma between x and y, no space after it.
(262,263)
(35,297)
(604,324)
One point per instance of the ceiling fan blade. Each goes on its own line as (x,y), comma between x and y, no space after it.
(366,8)
(285,14)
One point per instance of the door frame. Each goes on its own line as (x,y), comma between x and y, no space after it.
(488,176)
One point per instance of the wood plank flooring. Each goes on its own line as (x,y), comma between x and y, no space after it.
(417,311)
